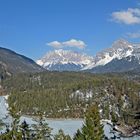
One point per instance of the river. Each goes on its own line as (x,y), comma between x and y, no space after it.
(69,126)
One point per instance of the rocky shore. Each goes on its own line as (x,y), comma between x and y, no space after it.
(127,131)
(124,131)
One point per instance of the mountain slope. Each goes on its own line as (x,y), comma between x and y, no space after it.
(64,60)
(11,62)
(121,57)
(129,63)
(120,49)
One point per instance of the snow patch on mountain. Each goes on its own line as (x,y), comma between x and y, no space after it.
(39,62)
(64,57)
(120,49)
(69,60)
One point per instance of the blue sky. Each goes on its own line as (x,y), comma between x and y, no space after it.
(34,27)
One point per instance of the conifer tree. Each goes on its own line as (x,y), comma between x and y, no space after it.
(14,132)
(92,128)
(1,124)
(25,130)
(78,135)
(42,130)
(61,136)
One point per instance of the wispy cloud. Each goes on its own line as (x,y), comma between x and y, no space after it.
(55,44)
(133,35)
(70,43)
(129,16)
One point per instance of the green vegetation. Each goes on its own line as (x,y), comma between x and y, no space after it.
(61,136)
(23,131)
(1,124)
(91,130)
(67,94)
(14,132)
(42,130)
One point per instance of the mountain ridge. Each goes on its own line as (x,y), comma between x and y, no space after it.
(64,60)
(12,62)
(60,60)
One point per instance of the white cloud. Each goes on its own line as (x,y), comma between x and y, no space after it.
(55,44)
(130,16)
(70,43)
(75,43)
(133,35)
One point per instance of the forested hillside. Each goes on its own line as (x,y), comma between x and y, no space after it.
(67,94)
(12,63)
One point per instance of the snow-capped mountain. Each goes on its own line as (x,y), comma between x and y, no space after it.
(121,56)
(65,60)
(120,49)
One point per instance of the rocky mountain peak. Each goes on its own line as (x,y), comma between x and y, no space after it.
(74,61)
(57,58)
(121,43)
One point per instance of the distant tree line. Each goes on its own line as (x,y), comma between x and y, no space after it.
(67,94)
